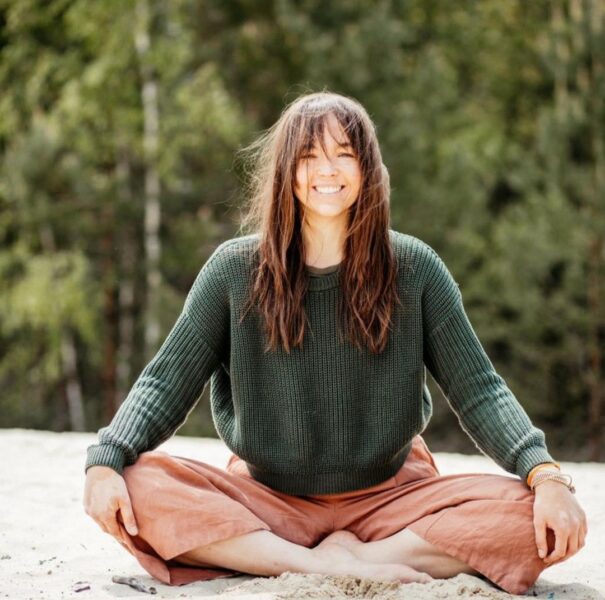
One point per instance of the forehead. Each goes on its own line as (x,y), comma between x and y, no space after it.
(327,131)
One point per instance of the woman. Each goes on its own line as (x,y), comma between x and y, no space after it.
(315,332)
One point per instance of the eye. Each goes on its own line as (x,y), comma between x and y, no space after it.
(305,156)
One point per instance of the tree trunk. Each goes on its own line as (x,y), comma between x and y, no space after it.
(149,97)
(72,387)
(595,358)
(108,271)
(128,254)
(73,390)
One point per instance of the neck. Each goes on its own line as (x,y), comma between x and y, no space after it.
(324,242)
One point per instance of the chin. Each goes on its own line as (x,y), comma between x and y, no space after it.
(328,210)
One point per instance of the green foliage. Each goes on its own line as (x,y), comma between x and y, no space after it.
(42,298)
(490,117)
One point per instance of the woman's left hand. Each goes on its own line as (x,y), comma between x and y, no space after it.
(556,508)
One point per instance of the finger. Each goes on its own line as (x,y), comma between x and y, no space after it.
(114,531)
(583,532)
(561,538)
(112,526)
(128,517)
(584,529)
(573,543)
(540,530)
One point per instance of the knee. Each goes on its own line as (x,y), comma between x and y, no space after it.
(144,476)
(145,461)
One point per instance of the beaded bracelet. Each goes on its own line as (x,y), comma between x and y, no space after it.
(553,476)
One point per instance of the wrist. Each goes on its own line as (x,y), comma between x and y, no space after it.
(548,478)
(107,455)
(545,485)
(540,467)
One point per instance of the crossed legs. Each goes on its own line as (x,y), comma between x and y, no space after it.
(403,556)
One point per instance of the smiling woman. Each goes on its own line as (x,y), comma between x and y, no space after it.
(320,394)
(328,180)
(320,196)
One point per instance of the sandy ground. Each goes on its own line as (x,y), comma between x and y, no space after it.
(48,544)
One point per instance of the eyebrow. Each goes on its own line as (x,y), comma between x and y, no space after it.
(344,145)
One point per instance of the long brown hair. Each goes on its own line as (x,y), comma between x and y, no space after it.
(369,269)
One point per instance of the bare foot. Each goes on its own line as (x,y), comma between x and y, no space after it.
(340,560)
(345,538)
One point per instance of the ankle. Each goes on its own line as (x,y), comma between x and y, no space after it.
(334,559)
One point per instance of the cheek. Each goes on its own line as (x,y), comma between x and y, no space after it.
(356,178)
(354,173)
(300,183)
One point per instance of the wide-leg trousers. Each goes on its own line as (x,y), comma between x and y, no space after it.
(179,504)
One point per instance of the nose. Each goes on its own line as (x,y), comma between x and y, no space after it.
(325,166)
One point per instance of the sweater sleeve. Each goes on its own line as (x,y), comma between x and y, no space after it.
(485,407)
(171,384)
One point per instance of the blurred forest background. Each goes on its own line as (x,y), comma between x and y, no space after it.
(120,123)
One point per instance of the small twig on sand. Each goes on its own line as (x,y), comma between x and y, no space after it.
(80,586)
(134,583)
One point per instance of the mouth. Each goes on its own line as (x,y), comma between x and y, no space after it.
(328,190)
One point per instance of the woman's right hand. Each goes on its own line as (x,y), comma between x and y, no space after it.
(105,493)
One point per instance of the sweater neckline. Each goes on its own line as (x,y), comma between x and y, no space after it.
(318,271)
(324,281)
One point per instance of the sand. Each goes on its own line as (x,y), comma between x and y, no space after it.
(48,545)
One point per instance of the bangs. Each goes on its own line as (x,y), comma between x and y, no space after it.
(311,124)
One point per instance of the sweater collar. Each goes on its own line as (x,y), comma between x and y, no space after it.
(326,281)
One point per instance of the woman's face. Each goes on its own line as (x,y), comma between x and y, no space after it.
(328,183)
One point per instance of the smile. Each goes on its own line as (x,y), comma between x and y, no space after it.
(334,189)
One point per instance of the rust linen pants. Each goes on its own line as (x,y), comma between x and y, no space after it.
(481,519)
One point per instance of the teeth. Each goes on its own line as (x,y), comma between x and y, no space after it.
(328,190)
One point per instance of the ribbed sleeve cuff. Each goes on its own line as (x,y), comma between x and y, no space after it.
(106,455)
(529,458)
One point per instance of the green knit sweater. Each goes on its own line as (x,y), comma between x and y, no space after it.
(326,418)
